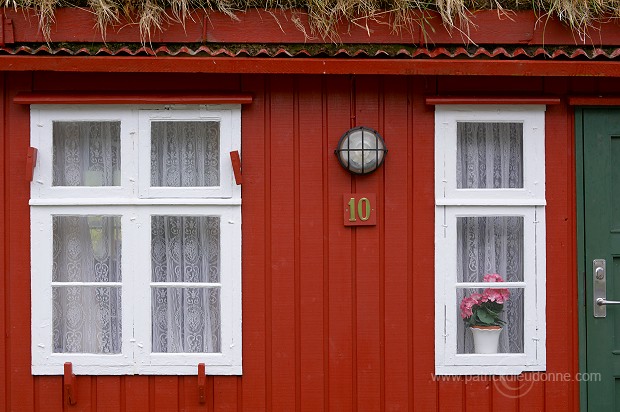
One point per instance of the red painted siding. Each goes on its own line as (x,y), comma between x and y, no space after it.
(334,318)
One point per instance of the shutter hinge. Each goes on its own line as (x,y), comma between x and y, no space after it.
(69,385)
(202,383)
(31,162)
(236,164)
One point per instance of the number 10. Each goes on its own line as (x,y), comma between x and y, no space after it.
(363,209)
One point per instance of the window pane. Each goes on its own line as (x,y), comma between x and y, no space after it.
(185,248)
(489,245)
(86,319)
(511,335)
(186,320)
(86,154)
(489,155)
(185,154)
(86,249)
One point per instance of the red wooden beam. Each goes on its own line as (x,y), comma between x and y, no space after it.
(431,101)
(310,66)
(132,98)
(283,27)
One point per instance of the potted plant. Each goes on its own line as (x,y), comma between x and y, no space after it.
(481,312)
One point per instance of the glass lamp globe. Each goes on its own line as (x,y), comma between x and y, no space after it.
(361,150)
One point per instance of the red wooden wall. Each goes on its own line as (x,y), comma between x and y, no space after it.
(334,318)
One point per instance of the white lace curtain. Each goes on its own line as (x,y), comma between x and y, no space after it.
(489,155)
(86,154)
(184,249)
(185,154)
(86,319)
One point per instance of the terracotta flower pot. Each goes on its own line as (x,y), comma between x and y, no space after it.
(486,338)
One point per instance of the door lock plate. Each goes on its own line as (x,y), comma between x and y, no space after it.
(599,282)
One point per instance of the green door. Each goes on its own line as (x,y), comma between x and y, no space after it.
(598,138)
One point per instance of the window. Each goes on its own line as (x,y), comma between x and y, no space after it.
(489,221)
(136,240)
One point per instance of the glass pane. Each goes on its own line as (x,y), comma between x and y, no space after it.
(489,155)
(86,153)
(86,248)
(186,320)
(185,248)
(86,319)
(185,154)
(489,245)
(510,339)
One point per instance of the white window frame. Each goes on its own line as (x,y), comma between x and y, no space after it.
(135,205)
(228,126)
(451,203)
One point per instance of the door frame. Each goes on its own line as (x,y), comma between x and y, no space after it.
(581,269)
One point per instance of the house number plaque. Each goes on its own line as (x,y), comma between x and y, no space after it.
(360,209)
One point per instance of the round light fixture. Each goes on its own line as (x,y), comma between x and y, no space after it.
(361,150)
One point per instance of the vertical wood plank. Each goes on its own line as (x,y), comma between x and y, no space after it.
(341,355)
(17,194)
(136,393)
(422,254)
(225,393)
(87,395)
(109,389)
(368,270)
(397,244)
(48,393)
(561,290)
(5,375)
(311,246)
(254,146)
(478,394)
(532,395)
(166,393)
(503,399)
(188,394)
(450,393)
(283,243)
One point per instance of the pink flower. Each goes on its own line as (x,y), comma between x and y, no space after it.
(492,277)
(466,306)
(477,297)
(497,295)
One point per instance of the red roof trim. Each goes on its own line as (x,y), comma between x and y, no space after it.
(492,100)
(594,101)
(126,98)
(251,65)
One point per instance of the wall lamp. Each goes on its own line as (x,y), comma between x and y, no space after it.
(361,150)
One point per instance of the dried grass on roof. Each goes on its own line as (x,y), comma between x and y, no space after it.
(323,15)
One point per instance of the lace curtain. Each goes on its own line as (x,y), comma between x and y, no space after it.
(86,154)
(86,319)
(185,154)
(489,155)
(186,249)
